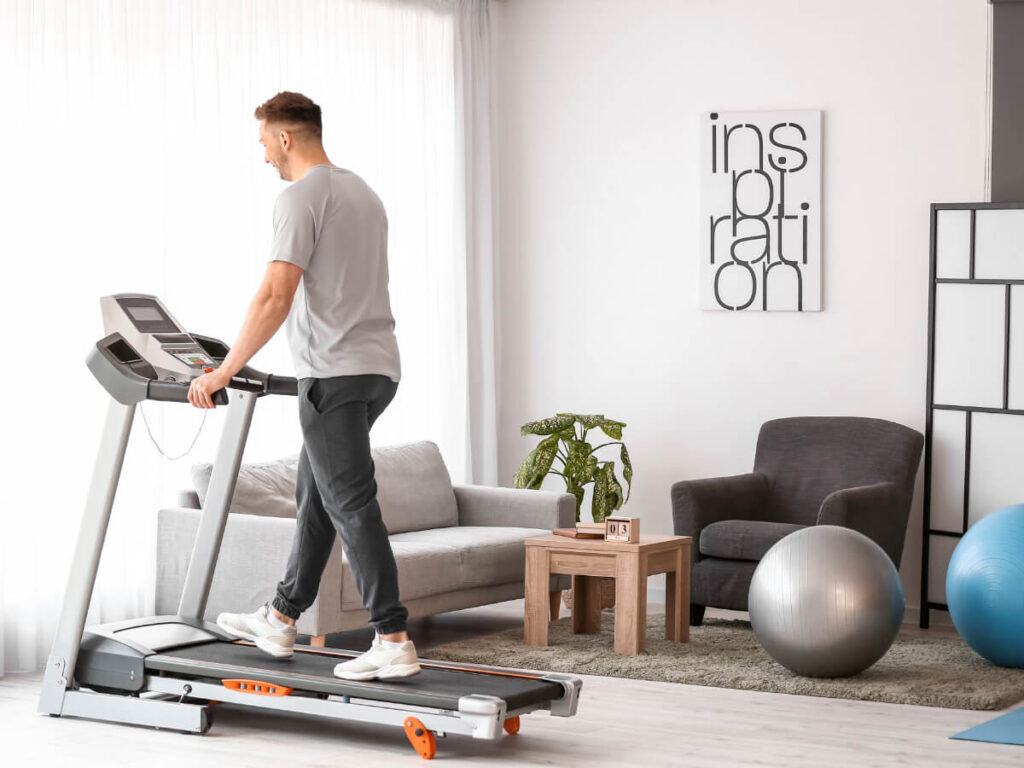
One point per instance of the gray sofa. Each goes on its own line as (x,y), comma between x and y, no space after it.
(848,471)
(456,546)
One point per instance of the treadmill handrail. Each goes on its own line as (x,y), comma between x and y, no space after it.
(177,392)
(248,379)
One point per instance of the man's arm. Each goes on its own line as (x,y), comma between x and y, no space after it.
(267,311)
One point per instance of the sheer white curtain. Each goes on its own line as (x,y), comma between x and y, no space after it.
(474,227)
(132,164)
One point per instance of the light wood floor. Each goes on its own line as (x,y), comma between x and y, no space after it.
(620,723)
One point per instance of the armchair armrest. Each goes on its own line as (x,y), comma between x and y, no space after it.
(698,503)
(514,507)
(879,511)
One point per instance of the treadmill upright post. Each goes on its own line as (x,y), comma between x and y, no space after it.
(215,511)
(60,667)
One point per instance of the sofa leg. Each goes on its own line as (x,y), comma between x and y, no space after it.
(556,601)
(318,641)
(696,615)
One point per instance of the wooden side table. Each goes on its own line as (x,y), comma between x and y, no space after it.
(587,560)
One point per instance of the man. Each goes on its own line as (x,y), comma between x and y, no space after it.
(328,276)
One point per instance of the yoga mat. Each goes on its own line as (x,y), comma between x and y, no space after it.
(1006,729)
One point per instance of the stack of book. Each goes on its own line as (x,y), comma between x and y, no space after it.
(583,531)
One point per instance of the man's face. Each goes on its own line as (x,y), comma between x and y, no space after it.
(276,143)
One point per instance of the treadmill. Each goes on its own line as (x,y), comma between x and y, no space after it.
(169,671)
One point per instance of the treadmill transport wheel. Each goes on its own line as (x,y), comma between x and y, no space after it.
(421,739)
(512,725)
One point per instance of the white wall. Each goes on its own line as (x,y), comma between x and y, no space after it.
(598,104)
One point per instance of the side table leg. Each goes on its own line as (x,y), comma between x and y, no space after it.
(535,615)
(677,599)
(586,605)
(683,592)
(555,600)
(672,629)
(630,603)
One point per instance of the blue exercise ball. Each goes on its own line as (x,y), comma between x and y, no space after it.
(826,601)
(985,587)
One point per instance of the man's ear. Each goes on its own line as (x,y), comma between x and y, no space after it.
(285,138)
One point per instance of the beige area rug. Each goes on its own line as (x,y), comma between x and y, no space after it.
(935,670)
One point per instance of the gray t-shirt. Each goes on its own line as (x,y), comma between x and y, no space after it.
(332,225)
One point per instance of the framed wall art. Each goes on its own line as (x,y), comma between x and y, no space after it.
(761,211)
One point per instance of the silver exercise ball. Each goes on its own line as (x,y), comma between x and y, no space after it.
(826,601)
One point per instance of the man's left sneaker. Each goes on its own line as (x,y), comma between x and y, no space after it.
(383,661)
(277,641)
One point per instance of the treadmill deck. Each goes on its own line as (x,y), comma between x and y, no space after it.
(439,684)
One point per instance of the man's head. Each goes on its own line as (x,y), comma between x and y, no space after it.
(290,128)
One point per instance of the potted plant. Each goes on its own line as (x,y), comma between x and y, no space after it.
(565,441)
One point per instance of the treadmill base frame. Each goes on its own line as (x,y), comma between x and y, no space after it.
(479,716)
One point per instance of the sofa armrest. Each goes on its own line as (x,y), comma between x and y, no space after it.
(188,499)
(698,503)
(514,507)
(252,561)
(879,511)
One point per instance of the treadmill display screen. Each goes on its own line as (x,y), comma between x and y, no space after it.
(148,316)
(145,314)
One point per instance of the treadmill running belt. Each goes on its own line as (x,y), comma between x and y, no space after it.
(311,669)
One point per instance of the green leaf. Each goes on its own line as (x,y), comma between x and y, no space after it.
(607,492)
(612,428)
(547,426)
(525,471)
(614,488)
(599,506)
(537,464)
(604,494)
(588,421)
(577,491)
(578,462)
(627,470)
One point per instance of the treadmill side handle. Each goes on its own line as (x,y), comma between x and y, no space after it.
(177,392)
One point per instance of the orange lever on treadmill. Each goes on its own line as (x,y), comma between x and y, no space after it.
(422,740)
(259,687)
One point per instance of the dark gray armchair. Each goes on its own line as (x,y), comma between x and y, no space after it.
(854,472)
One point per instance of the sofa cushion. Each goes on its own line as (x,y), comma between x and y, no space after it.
(442,560)
(414,489)
(263,488)
(742,539)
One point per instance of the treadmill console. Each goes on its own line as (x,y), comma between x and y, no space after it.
(146,325)
(147,355)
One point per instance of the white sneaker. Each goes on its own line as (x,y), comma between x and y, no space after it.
(277,641)
(381,662)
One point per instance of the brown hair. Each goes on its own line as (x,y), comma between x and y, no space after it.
(293,109)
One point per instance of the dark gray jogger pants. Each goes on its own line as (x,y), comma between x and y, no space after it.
(336,493)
